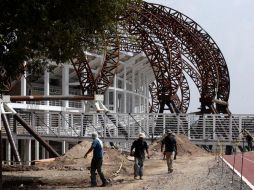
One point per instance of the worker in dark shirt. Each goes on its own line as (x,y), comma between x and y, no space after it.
(249,140)
(169,142)
(140,147)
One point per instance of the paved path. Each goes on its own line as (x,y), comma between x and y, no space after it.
(243,163)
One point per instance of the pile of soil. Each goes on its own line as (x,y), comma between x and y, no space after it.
(114,161)
(184,147)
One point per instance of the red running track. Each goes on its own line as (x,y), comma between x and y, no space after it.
(246,165)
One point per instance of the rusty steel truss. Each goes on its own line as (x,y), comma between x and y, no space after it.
(175,46)
(177,49)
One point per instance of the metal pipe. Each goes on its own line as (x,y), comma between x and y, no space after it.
(10,138)
(35,135)
(43,98)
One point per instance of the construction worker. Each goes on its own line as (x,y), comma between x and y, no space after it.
(97,160)
(249,140)
(175,152)
(140,147)
(170,147)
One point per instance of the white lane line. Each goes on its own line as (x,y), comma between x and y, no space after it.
(244,179)
(247,159)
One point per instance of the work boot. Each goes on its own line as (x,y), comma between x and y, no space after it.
(170,170)
(104,184)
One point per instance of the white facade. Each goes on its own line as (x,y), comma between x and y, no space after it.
(63,122)
(129,92)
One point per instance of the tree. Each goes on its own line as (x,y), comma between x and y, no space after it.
(37,31)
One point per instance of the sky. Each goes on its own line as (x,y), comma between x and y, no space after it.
(231,25)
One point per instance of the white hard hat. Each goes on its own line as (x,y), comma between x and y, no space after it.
(142,135)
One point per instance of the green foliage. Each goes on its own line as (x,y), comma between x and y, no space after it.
(52,30)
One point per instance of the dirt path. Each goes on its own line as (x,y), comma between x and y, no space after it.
(194,169)
(190,173)
(156,176)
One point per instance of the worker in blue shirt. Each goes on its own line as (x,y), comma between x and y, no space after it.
(97,160)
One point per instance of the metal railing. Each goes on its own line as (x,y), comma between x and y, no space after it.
(199,128)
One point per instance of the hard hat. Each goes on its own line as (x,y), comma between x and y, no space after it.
(141,135)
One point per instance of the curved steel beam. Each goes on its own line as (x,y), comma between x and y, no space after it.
(111,62)
(85,75)
(219,70)
(203,58)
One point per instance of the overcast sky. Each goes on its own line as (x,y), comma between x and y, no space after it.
(231,24)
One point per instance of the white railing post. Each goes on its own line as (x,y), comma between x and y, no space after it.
(164,123)
(230,128)
(240,127)
(117,120)
(214,128)
(153,126)
(33,122)
(204,125)
(188,132)
(128,126)
(104,128)
(59,124)
(178,123)
(82,125)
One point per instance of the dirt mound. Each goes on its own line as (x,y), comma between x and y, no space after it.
(184,147)
(114,161)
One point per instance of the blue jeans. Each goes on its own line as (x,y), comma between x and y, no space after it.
(138,166)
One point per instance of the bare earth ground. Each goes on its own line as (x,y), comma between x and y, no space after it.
(194,169)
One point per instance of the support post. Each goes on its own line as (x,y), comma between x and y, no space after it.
(204,126)
(37,150)
(10,138)
(35,135)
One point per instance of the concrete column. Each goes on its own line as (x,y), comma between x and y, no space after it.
(8,152)
(140,92)
(147,95)
(133,90)
(114,94)
(65,92)
(28,151)
(66,146)
(23,85)
(46,93)
(65,84)
(106,98)
(37,150)
(124,90)
(63,147)
(46,84)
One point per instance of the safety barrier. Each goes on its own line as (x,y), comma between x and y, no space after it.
(201,129)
